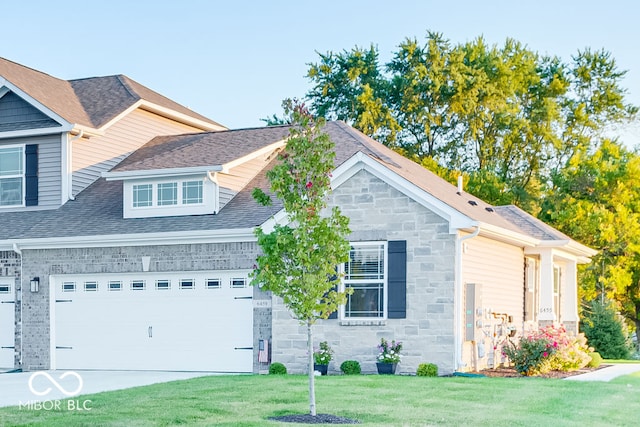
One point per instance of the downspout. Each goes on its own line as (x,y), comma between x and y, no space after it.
(17,250)
(70,195)
(459,319)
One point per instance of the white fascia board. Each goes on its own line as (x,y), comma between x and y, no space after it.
(165,112)
(140,239)
(512,237)
(254,154)
(280,218)
(360,161)
(35,132)
(66,126)
(570,246)
(160,173)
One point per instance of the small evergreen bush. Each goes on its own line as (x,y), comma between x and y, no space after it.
(596,360)
(277,368)
(350,367)
(427,370)
(604,331)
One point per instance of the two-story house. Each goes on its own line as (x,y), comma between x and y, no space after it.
(127,240)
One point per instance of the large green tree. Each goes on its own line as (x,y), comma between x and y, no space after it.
(504,115)
(299,258)
(596,200)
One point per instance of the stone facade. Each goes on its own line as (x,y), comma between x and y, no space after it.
(380,212)
(186,257)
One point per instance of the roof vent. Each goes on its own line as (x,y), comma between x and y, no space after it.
(489,209)
(473,203)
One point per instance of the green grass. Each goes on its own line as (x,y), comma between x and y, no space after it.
(374,400)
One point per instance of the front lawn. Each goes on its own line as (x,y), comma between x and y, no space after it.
(372,399)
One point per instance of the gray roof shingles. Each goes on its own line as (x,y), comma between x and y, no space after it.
(90,102)
(98,209)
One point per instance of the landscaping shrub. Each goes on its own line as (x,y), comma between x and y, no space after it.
(277,368)
(531,354)
(572,352)
(596,360)
(427,370)
(605,331)
(350,367)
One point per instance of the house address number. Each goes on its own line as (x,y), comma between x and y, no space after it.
(546,310)
(261,303)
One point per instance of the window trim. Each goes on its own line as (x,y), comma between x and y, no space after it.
(22,175)
(179,192)
(384,280)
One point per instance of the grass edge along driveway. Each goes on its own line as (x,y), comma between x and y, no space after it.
(373,400)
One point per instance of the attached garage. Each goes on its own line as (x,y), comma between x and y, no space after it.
(7,322)
(189,321)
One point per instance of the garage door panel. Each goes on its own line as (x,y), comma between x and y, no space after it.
(7,322)
(168,328)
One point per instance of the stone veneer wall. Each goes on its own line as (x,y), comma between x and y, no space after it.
(187,257)
(380,212)
(10,267)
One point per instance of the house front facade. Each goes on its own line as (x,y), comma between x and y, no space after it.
(127,242)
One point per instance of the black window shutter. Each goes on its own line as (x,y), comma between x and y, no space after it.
(31,175)
(397,280)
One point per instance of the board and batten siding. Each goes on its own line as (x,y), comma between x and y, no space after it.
(499,270)
(238,177)
(49,169)
(93,156)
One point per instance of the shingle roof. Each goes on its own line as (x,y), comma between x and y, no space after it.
(98,209)
(529,224)
(90,102)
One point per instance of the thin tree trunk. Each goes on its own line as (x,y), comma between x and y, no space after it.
(312,384)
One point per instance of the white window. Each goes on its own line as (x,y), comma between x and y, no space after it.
(163,285)
(213,283)
(5,289)
(191,192)
(115,285)
(137,285)
(365,274)
(68,286)
(187,284)
(142,195)
(90,286)
(11,176)
(167,193)
(238,282)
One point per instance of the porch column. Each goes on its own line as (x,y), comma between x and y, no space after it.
(546,314)
(569,297)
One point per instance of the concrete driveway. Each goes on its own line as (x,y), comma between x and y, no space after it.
(608,373)
(26,388)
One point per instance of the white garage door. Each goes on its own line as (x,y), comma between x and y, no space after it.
(7,321)
(153,321)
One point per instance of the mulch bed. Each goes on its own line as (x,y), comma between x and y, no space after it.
(510,372)
(311,419)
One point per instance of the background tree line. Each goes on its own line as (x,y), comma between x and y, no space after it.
(522,128)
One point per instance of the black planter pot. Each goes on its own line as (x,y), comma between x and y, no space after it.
(386,368)
(320,368)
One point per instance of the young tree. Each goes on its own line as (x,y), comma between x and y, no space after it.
(299,257)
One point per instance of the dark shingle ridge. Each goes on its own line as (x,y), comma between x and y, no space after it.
(529,224)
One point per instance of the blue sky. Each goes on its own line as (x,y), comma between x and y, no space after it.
(235,60)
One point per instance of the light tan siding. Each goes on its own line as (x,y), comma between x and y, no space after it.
(238,177)
(99,154)
(499,270)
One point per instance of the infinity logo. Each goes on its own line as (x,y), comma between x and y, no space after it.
(55,383)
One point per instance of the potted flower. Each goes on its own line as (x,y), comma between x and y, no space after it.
(388,356)
(322,357)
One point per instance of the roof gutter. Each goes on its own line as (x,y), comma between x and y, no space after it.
(458,310)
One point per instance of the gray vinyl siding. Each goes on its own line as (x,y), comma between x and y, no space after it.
(238,177)
(49,169)
(499,268)
(17,114)
(93,156)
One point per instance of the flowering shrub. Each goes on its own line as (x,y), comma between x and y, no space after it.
(531,355)
(551,348)
(572,351)
(389,353)
(323,355)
